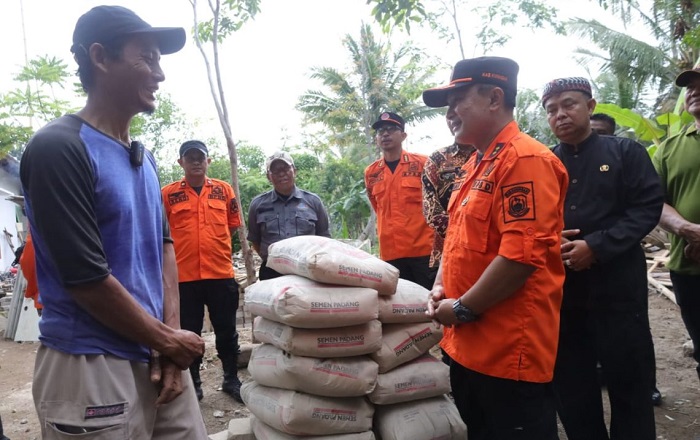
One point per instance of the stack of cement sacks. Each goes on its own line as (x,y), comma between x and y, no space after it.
(331,345)
(411,386)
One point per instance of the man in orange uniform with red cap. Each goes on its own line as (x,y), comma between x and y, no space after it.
(499,287)
(394,188)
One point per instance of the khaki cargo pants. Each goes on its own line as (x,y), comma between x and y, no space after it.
(100,397)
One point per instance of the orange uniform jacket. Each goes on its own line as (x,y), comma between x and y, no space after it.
(200,228)
(397,198)
(28,264)
(510,204)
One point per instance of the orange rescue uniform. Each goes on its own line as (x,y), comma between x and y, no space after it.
(200,225)
(28,264)
(509,204)
(397,198)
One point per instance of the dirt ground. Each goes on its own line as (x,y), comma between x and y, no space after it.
(678,418)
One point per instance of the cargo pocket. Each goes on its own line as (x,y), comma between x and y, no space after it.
(181,216)
(306,222)
(474,234)
(218,212)
(270,224)
(412,189)
(377,191)
(67,420)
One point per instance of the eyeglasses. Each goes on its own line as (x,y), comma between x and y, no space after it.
(387,129)
(284,169)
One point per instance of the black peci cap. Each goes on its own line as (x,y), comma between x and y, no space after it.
(561,85)
(104,24)
(501,72)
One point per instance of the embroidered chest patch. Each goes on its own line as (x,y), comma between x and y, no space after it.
(177,197)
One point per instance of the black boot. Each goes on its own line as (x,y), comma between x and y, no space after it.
(231,384)
(194,372)
(2,435)
(656,397)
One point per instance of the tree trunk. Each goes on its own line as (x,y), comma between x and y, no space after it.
(217,93)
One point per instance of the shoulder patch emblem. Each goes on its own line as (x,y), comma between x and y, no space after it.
(518,202)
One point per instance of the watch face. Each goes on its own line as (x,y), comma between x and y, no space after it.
(463,314)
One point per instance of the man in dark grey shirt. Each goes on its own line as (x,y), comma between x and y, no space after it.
(285,211)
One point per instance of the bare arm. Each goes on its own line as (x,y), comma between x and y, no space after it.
(256,247)
(111,304)
(501,279)
(674,223)
(171,291)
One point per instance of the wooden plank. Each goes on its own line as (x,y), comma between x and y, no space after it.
(662,289)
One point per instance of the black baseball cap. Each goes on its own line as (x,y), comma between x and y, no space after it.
(389,118)
(104,24)
(199,145)
(501,72)
(685,77)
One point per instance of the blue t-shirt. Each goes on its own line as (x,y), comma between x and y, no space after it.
(92,214)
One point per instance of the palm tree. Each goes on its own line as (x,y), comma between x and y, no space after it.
(640,67)
(380,80)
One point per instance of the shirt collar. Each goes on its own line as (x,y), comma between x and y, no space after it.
(296,193)
(184,184)
(502,138)
(592,139)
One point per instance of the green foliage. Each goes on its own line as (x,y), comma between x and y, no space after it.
(532,118)
(32,104)
(13,137)
(645,129)
(380,79)
(231,17)
(398,13)
(644,68)
(343,190)
(162,131)
(486,18)
(250,158)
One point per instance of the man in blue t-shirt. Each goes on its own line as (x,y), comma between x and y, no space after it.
(112,352)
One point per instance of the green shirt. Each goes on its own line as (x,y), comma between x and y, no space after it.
(677,161)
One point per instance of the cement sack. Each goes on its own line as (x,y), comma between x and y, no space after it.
(434,418)
(404,342)
(334,377)
(409,304)
(298,413)
(418,379)
(303,303)
(266,432)
(330,261)
(355,340)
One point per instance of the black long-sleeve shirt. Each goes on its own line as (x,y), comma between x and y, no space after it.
(615,198)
